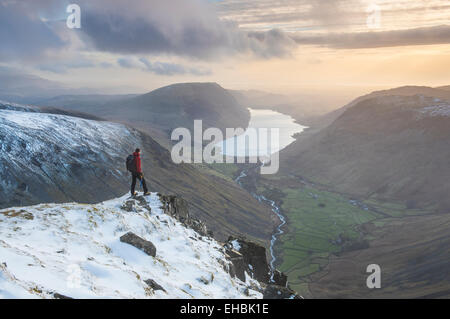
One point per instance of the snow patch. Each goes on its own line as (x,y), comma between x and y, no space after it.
(436,110)
(236,245)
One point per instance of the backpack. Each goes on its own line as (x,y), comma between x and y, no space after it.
(131,164)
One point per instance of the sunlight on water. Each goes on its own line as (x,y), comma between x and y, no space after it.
(263,119)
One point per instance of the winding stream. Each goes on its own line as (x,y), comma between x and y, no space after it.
(276,210)
(287,129)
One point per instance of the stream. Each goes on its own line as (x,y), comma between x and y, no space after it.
(276,211)
(288,127)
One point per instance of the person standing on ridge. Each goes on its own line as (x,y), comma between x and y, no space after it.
(134,165)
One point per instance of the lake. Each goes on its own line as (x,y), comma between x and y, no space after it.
(260,120)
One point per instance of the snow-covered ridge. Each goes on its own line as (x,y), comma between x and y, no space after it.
(75,250)
(17,107)
(43,156)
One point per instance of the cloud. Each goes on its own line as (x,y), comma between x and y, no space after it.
(178,27)
(160,68)
(64,67)
(361,40)
(23,35)
(35,32)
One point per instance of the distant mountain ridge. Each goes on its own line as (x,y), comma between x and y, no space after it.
(162,110)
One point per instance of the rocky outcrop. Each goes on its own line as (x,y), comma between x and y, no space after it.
(242,256)
(177,208)
(279,278)
(237,267)
(248,257)
(142,244)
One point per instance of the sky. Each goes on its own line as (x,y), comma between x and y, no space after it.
(286,46)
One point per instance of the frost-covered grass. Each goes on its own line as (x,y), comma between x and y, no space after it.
(74,249)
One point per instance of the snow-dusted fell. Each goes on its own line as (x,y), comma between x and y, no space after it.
(75,250)
(46,157)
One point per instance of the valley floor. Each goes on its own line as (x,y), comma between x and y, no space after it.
(331,238)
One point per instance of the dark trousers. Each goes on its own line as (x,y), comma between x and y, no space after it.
(141,178)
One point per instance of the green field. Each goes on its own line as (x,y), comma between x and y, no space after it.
(319,223)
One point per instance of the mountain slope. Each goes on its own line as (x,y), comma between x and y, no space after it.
(58,158)
(75,250)
(388,147)
(327,119)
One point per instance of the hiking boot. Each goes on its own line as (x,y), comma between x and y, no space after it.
(146,193)
(134,194)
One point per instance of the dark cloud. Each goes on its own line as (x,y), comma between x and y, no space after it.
(178,27)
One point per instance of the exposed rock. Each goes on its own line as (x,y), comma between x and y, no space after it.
(177,208)
(142,244)
(204,280)
(252,258)
(278,292)
(59,296)
(154,285)
(238,267)
(279,278)
(128,206)
(136,204)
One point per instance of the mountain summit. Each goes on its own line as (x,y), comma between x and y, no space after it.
(147,247)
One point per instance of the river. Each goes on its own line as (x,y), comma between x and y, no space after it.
(287,128)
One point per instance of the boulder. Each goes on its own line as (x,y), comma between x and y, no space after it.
(59,296)
(140,243)
(154,285)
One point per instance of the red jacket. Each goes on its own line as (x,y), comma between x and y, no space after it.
(138,162)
